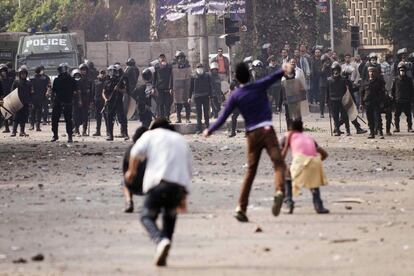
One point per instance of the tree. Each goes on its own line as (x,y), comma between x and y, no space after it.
(7,11)
(398,22)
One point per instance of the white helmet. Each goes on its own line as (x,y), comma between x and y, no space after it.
(257,63)
(214,65)
(75,71)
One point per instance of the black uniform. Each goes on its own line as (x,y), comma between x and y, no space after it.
(45,103)
(6,84)
(82,104)
(372,98)
(233,85)
(64,88)
(216,94)
(323,85)
(201,89)
(114,106)
(40,85)
(97,88)
(336,89)
(143,98)
(24,90)
(274,90)
(131,74)
(163,83)
(403,95)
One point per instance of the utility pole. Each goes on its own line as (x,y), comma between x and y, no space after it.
(203,41)
(192,44)
(332,25)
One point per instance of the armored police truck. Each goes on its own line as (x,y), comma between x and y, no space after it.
(49,50)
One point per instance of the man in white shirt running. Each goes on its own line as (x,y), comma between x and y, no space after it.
(166,181)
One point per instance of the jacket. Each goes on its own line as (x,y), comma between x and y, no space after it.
(403,90)
(163,77)
(201,86)
(373,91)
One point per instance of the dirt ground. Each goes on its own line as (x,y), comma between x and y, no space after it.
(65,202)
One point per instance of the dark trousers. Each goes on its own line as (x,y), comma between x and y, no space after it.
(314,90)
(58,109)
(98,115)
(374,117)
(164,102)
(146,119)
(337,109)
(77,115)
(21,118)
(116,109)
(388,119)
(258,140)
(179,107)
(164,199)
(36,114)
(234,117)
(85,115)
(45,110)
(322,99)
(202,106)
(406,109)
(215,105)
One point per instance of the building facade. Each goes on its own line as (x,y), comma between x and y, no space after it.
(367,15)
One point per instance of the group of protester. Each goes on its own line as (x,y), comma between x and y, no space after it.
(159,163)
(373,85)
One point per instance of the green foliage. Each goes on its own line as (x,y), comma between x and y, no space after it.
(7,11)
(125,20)
(398,22)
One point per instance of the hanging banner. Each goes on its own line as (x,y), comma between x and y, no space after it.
(323,6)
(171,10)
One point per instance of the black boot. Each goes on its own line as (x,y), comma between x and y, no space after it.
(317,202)
(129,208)
(359,130)
(289,203)
(38,127)
(381,134)
(178,117)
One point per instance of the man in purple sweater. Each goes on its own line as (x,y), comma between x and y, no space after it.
(252,101)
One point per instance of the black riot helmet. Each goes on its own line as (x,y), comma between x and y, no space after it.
(23,70)
(63,68)
(38,70)
(147,74)
(130,62)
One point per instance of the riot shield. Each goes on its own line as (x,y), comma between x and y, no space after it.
(11,104)
(349,106)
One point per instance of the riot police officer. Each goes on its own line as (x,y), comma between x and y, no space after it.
(40,86)
(372,99)
(85,88)
(143,95)
(163,83)
(63,91)
(403,94)
(97,88)
(6,84)
(181,83)
(336,89)
(112,93)
(24,90)
(216,89)
(77,102)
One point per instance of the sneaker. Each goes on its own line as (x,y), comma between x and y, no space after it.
(348,133)
(23,134)
(322,116)
(109,138)
(70,140)
(241,215)
(277,203)
(388,133)
(38,129)
(396,130)
(13,134)
(54,139)
(6,131)
(161,253)
(96,134)
(371,136)
(232,134)
(85,133)
(381,135)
